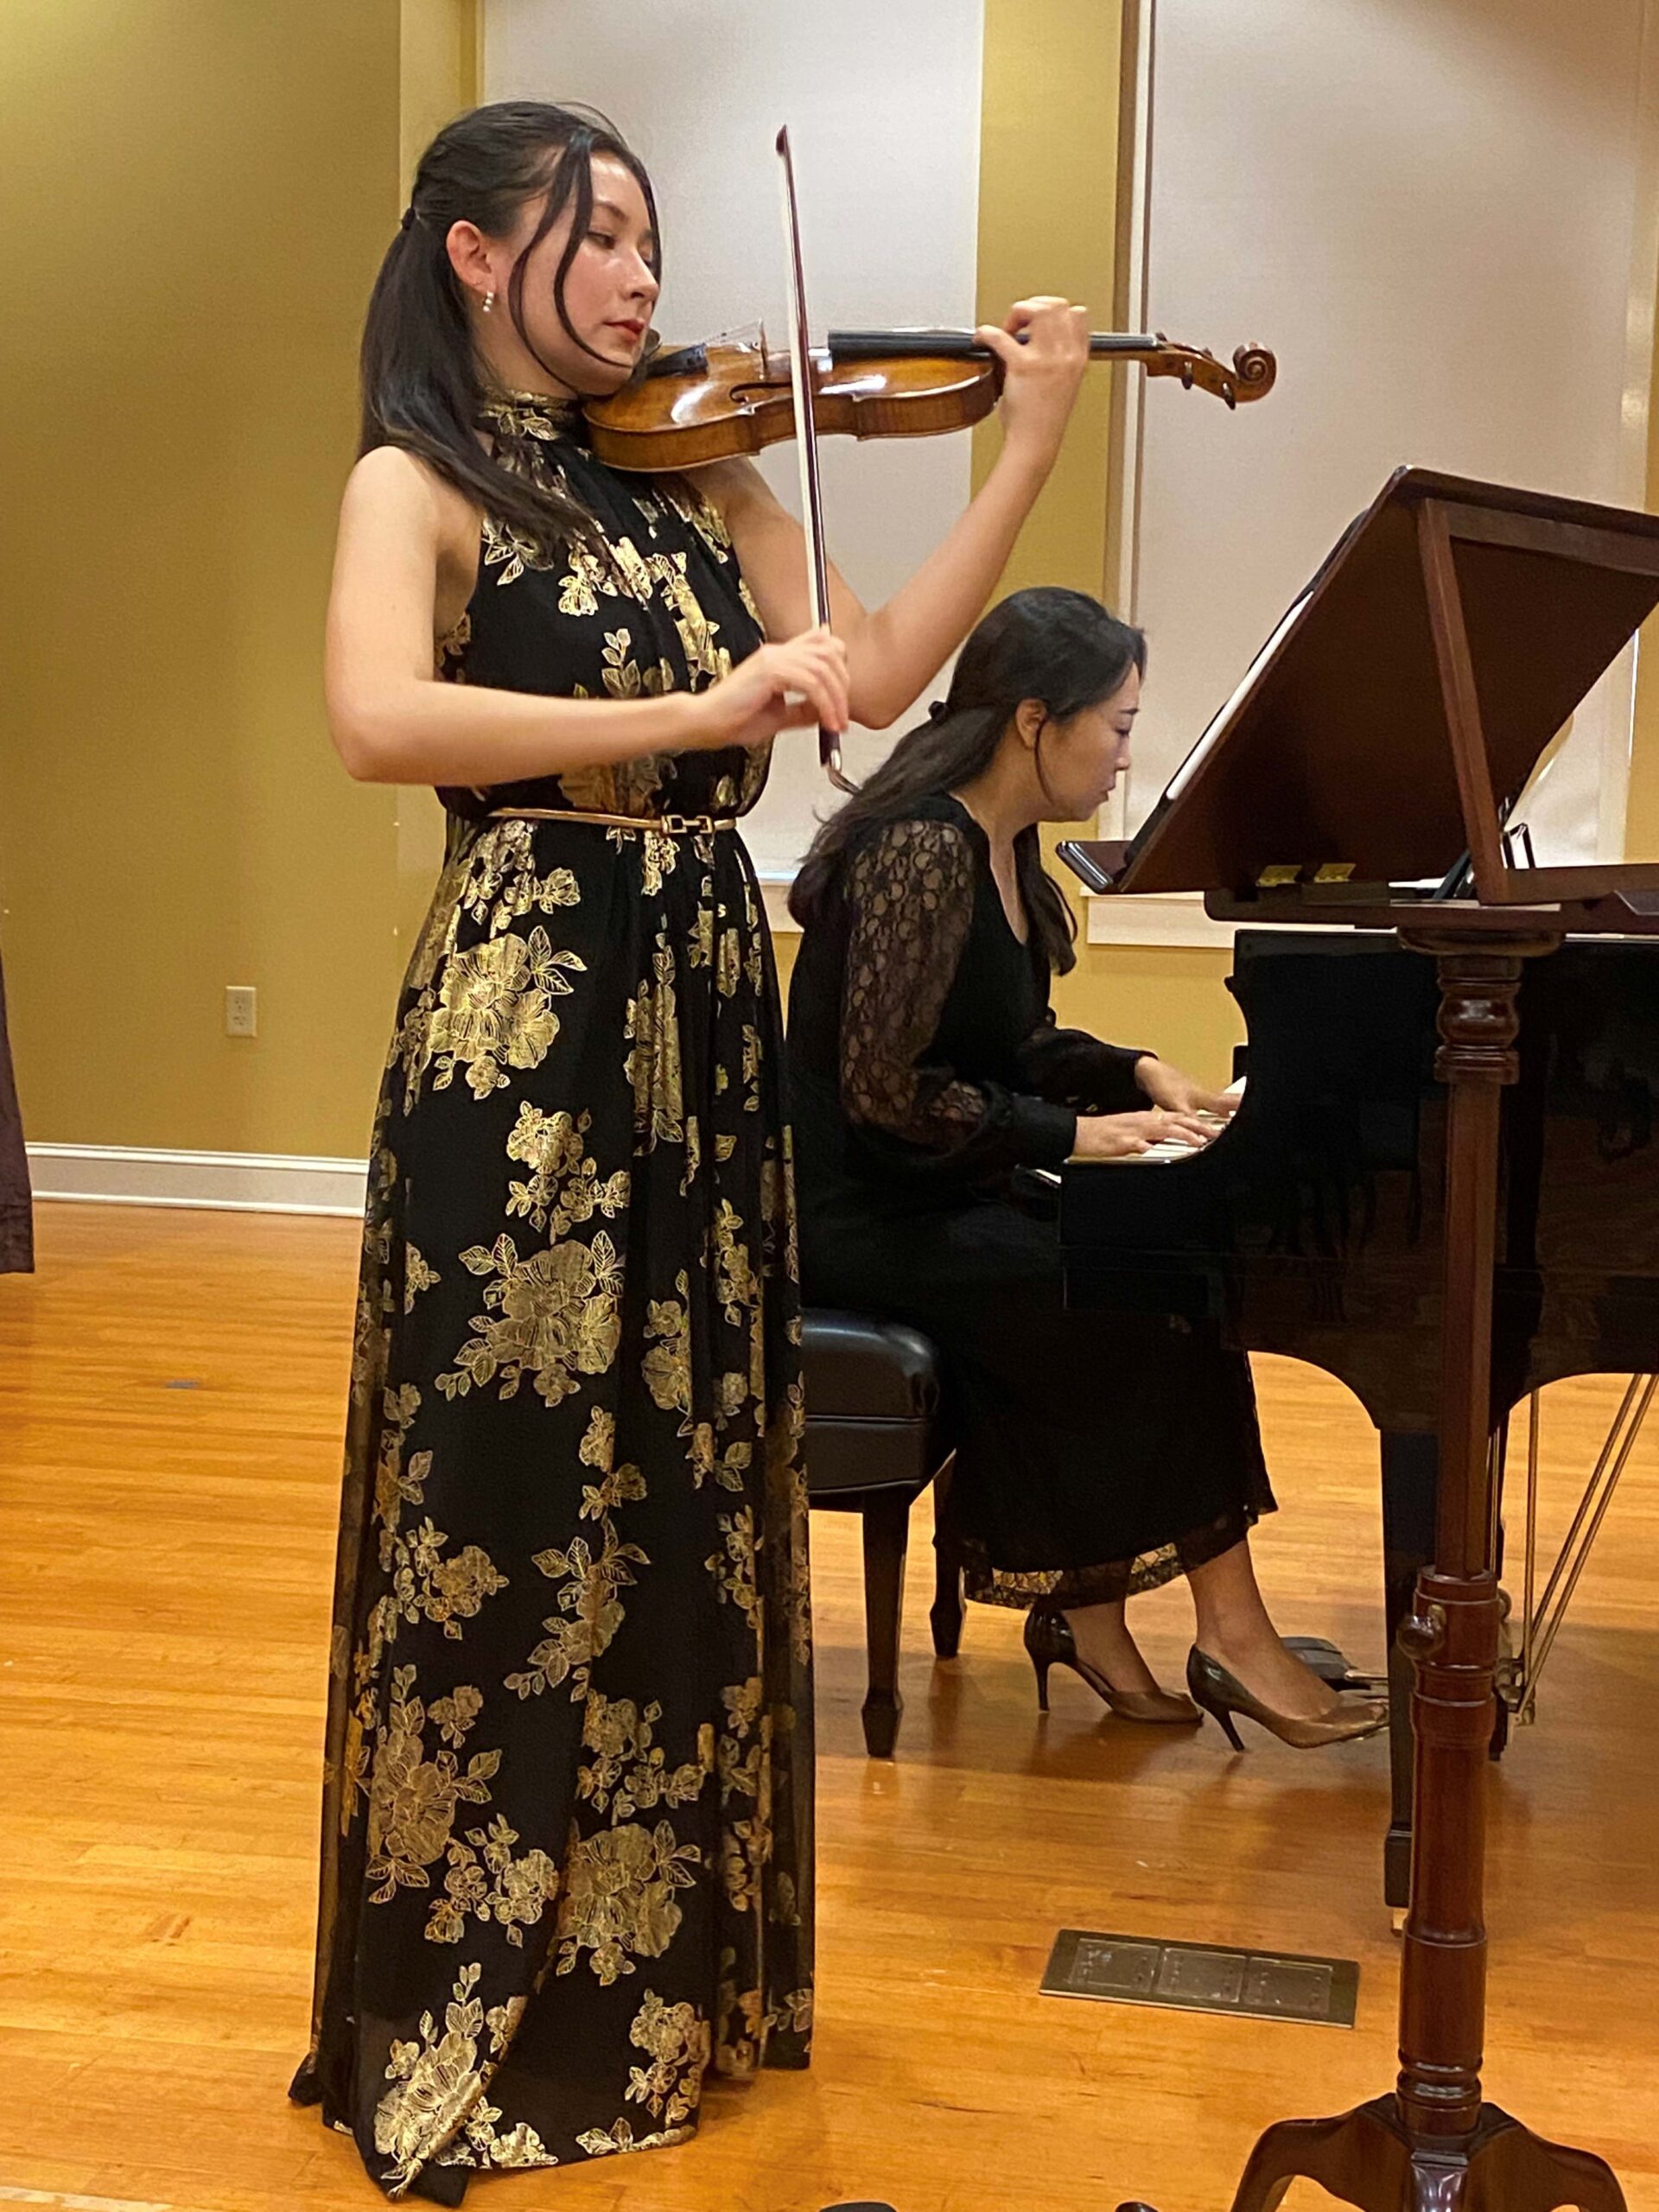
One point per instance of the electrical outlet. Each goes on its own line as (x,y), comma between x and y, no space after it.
(241,1010)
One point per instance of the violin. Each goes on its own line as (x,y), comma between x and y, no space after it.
(711,403)
(735,396)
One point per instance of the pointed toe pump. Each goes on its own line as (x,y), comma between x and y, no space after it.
(1223,1697)
(1050,1643)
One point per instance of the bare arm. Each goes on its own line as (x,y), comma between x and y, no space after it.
(894,651)
(393,721)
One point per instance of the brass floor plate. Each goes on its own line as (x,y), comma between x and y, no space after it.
(1203,1977)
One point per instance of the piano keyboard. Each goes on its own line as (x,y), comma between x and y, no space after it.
(1155,1155)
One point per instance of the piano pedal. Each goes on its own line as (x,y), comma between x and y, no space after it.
(1397,1920)
(1324,1659)
(1500,1742)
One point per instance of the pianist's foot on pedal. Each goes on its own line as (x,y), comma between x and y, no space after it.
(1271,1687)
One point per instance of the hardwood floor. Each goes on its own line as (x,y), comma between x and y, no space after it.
(171,1392)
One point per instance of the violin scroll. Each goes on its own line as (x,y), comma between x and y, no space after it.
(1252,375)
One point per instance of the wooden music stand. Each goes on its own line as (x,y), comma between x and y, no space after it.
(1445,641)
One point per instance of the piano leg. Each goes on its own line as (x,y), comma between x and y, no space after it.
(1411,1481)
(1434,2141)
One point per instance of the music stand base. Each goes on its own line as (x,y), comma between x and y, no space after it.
(1368,2157)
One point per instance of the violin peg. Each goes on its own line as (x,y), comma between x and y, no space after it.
(1187,373)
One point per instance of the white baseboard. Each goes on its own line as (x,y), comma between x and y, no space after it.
(235,1182)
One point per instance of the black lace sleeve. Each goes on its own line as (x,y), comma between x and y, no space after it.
(910,893)
(1076,1070)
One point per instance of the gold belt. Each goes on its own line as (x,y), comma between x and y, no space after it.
(675,825)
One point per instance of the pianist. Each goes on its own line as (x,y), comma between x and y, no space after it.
(1099,1454)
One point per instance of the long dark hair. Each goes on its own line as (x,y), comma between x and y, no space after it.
(1057,646)
(422,387)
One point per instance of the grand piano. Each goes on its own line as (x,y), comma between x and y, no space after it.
(1443,1183)
(1313,1225)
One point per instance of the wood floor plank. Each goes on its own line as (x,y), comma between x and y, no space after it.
(163,1616)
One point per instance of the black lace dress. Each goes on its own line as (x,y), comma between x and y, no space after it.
(567,1833)
(1098,1453)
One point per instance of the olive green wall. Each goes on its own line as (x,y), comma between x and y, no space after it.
(205,191)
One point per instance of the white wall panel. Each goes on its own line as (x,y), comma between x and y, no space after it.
(1429,209)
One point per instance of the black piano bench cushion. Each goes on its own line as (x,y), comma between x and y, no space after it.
(872,1406)
(861,1369)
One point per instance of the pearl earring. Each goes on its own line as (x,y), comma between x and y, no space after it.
(489,302)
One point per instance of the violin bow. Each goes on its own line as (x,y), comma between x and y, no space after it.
(806,446)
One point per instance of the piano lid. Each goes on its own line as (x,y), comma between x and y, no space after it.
(1338,752)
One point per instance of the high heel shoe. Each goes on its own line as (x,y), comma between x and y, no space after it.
(1050,1643)
(1221,1696)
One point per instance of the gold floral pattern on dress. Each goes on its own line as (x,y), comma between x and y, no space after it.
(704,660)
(675,2038)
(753,1054)
(619,1901)
(552,1317)
(503,549)
(745,1764)
(563,1187)
(786,1510)
(437,2093)
(622,675)
(693,505)
(370,1334)
(448,1590)
(417,1277)
(728,1463)
(515,415)
(651,1026)
(601,2142)
(739,2024)
(490,878)
(630,1772)
(744,2023)
(734,1568)
(736,1286)
(584,579)
(591,1608)
(450,649)
(485,1880)
(412,1799)
(494,1011)
(617,787)
(667,1364)
(501,886)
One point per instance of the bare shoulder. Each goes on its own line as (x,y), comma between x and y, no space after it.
(399,510)
(393,485)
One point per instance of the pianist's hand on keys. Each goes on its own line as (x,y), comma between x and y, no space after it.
(1138,1137)
(1162,1133)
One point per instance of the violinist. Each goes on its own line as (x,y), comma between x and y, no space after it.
(1097,1455)
(567,1835)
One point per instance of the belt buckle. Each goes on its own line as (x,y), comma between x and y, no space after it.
(684,825)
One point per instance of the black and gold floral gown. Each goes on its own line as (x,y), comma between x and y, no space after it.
(567,1835)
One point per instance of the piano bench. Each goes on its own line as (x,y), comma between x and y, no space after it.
(875,1439)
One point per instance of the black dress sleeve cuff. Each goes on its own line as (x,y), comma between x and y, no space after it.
(1045,1136)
